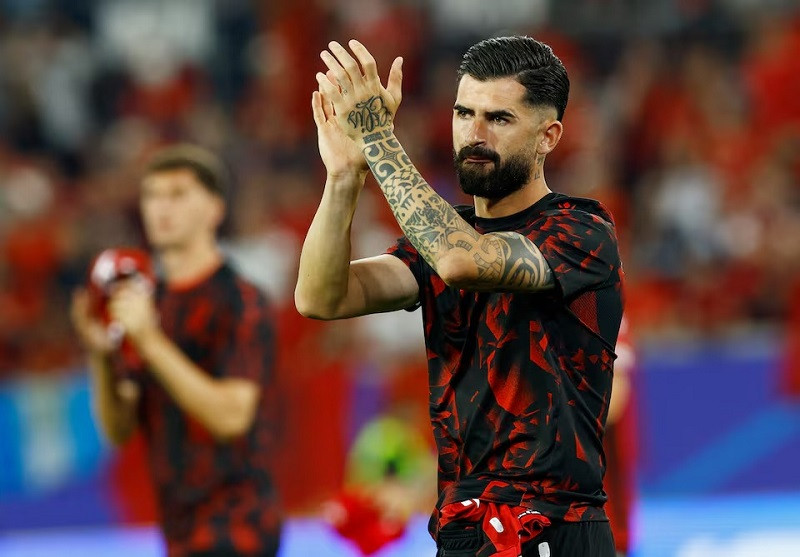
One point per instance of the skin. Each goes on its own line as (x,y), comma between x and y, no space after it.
(352,104)
(180,217)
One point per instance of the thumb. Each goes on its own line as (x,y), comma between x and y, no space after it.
(395,82)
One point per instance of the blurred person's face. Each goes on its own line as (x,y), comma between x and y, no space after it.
(495,133)
(177,209)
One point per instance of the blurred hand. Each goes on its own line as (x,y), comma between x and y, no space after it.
(361,104)
(92,333)
(133,308)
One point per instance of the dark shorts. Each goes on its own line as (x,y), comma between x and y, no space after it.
(561,539)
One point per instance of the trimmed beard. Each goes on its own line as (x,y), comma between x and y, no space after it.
(505,178)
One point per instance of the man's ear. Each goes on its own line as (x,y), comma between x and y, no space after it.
(551,136)
(220,208)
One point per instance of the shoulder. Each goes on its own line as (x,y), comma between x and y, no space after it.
(239,292)
(581,208)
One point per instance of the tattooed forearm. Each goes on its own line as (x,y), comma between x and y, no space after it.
(434,227)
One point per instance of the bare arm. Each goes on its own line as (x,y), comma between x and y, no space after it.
(114,401)
(329,285)
(225,407)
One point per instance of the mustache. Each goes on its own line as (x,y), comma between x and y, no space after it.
(478,152)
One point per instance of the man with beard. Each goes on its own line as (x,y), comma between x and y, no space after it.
(521,294)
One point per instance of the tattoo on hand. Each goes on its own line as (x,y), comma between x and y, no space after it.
(504,259)
(369,115)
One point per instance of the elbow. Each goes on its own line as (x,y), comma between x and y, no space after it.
(236,416)
(456,270)
(307,306)
(229,431)
(231,427)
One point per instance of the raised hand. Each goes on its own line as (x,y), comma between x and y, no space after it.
(341,155)
(361,104)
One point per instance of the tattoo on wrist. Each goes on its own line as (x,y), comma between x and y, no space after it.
(369,115)
(377,136)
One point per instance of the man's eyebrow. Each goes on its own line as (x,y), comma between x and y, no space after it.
(490,115)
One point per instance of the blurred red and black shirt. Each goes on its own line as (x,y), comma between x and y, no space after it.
(214,496)
(520,382)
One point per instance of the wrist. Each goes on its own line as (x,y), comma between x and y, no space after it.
(375,136)
(348,177)
(145,339)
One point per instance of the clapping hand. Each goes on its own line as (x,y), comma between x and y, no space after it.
(352,94)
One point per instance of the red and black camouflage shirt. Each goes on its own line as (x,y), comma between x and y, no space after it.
(520,382)
(214,496)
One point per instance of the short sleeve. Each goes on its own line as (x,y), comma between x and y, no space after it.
(404,250)
(250,354)
(580,247)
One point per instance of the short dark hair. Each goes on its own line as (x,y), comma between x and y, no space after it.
(206,166)
(531,62)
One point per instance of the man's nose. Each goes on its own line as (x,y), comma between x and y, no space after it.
(477,132)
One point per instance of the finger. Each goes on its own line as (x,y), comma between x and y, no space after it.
(347,61)
(142,285)
(316,108)
(366,59)
(329,90)
(330,112)
(334,67)
(332,78)
(80,303)
(394,85)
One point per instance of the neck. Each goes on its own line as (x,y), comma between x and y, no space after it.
(513,203)
(191,262)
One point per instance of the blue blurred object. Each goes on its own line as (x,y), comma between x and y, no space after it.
(734,526)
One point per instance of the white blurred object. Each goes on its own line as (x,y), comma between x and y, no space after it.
(775,543)
(47,450)
(688,201)
(155,37)
(27,192)
(268,260)
(481,16)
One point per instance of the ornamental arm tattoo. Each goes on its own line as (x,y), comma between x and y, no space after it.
(502,260)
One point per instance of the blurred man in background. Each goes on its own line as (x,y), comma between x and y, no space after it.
(521,294)
(202,395)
